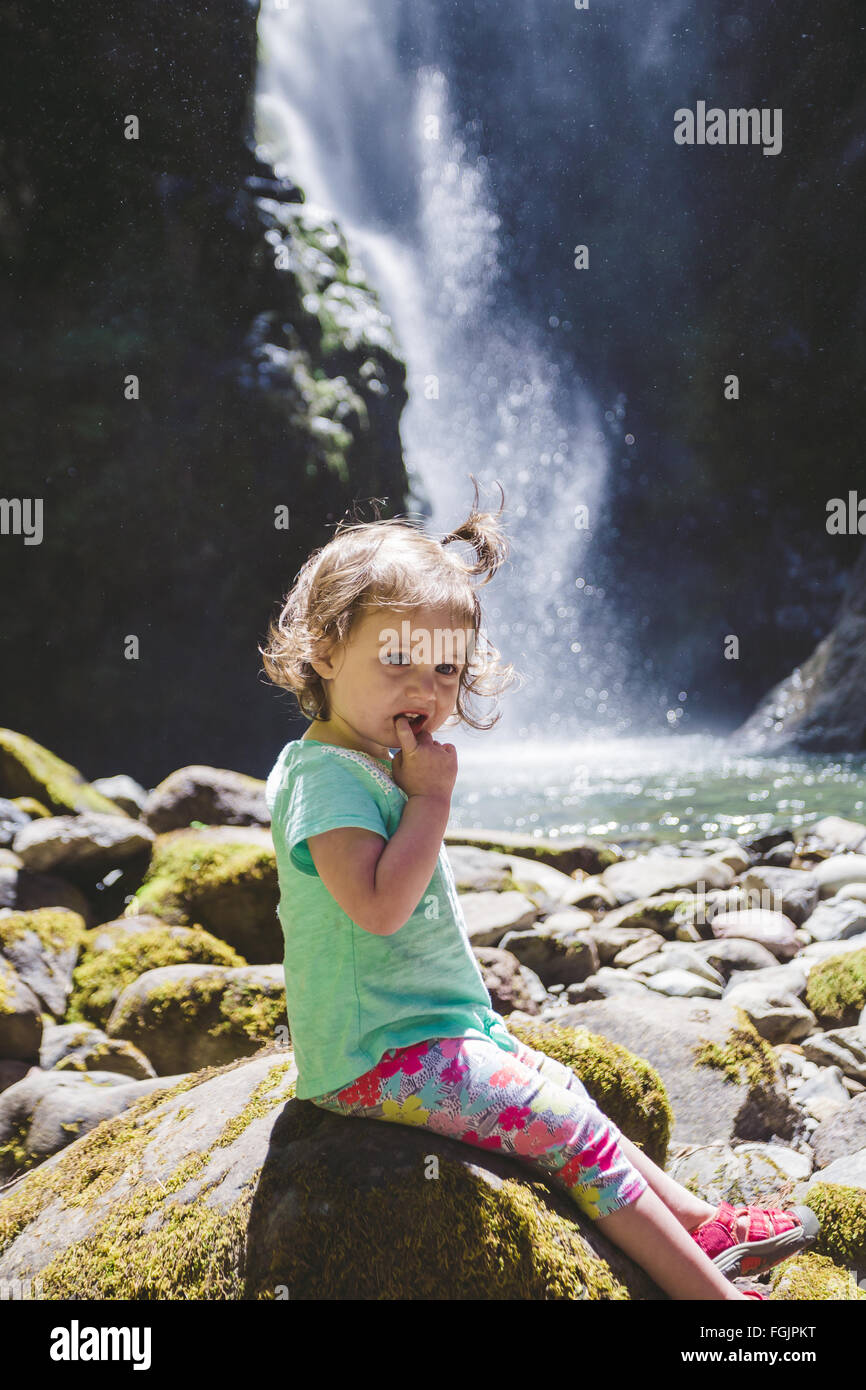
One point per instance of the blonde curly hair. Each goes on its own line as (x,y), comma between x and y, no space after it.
(389,564)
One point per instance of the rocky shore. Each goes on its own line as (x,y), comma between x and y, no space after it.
(711,995)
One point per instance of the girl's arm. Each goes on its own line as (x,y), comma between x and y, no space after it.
(378,882)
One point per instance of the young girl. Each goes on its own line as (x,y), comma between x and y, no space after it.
(380,639)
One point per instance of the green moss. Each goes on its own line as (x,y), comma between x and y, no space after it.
(743,1057)
(189,874)
(813,1277)
(58,928)
(102,976)
(836,989)
(629,1091)
(842,1213)
(28,769)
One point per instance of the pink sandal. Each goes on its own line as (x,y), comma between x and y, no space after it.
(772,1236)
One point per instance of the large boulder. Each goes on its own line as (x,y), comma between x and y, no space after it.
(212,795)
(28,769)
(89,842)
(723,1081)
(227,1187)
(224,879)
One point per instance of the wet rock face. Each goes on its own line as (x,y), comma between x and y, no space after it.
(211,352)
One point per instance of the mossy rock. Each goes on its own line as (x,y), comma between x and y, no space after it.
(568,854)
(627,1089)
(28,769)
(836,989)
(814,1278)
(101,976)
(223,878)
(842,1213)
(43,946)
(227,1187)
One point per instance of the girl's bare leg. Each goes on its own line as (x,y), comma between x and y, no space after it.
(654,1231)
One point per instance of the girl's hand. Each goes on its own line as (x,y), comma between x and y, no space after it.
(422,767)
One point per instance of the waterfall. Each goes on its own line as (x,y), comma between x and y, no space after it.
(371,136)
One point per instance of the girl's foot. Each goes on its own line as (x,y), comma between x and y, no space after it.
(748,1240)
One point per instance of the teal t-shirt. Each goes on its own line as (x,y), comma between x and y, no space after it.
(350,995)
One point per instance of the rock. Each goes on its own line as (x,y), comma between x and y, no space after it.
(548,888)
(47,1110)
(28,769)
(683,984)
(842,1047)
(117,953)
(841,1134)
(20,1017)
(771,929)
(643,949)
(79,1047)
(43,946)
(124,791)
(789,891)
(225,879)
(673,956)
(776,1014)
(570,854)
(90,840)
(837,919)
(593,894)
(557,958)
(12,1071)
(12,819)
(489,916)
(849,1171)
(22,891)
(730,955)
(839,834)
(212,795)
(832,874)
(791,978)
(850,890)
(722,1079)
(744,1174)
(609,941)
(568,920)
(227,1187)
(661,915)
(478,870)
(510,985)
(605,983)
(836,988)
(184,1017)
(651,875)
(822,1096)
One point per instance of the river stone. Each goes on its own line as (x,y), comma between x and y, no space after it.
(233,1189)
(124,791)
(822,1096)
(49,1109)
(842,1047)
(842,1134)
(674,956)
(20,1017)
(651,875)
(80,1047)
(839,834)
(12,819)
(730,955)
(548,888)
(44,946)
(556,958)
(743,1174)
(29,769)
(490,915)
(709,1105)
(509,984)
(212,795)
(568,920)
(790,891)
(832,874)
(661,914)
(771,929)
(88,840)
(570,854)
(604,984)
(816,951)
(184,1017)
(837,919)
(609,941)
(593,894)
(849,1171)
(777,1014)
(790,977)
(23,891)
(478,870)
(683,984)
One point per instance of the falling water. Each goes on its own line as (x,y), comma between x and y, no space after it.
(375,144)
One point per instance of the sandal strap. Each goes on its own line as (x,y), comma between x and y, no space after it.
(765,1222)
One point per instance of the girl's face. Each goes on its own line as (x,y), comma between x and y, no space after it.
(393,663)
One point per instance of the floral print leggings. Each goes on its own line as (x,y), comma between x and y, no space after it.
(521,1102)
